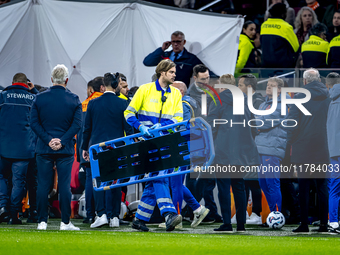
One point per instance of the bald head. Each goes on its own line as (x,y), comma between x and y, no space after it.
(181,86)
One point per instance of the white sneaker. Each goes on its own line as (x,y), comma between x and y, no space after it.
(179,226)
(247,216)
(68,226)
(199,214)
(42,225)
(233,219)
(114,223)
(100,221)
(254,219)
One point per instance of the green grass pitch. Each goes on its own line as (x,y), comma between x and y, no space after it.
(25,239)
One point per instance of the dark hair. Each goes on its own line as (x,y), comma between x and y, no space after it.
(249,79)
(20,77)
(96,83)
(199,69)
(122,77)
(40,88)
(132,91)
(111,80)
(278,10)
(247,23)
(318,29)
(332,78)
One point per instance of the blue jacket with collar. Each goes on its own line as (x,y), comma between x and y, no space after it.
(17,140)
(105,120)
(56,113)
(184,64)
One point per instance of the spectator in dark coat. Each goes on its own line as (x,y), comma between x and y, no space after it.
(309,146)
(185,61)
(334,29)
(234,146)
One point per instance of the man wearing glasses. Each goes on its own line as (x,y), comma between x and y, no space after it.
(185,61)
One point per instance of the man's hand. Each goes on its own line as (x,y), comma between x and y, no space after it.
(166,45)
(55,144)
(86,155)
(30,85)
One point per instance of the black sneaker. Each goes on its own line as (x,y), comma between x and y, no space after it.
(208,220)
(88,220)
(3,214)
(14,221)
(323,229)
(302,229)
(332,230)
(264,225)
(33,217)
(241,229)
(139,225)
(172,220)
(225,228)
(122,222)
(218,219)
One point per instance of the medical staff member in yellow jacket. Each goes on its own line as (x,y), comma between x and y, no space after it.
(157,104)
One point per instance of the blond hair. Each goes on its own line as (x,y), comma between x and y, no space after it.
(164,66)
(227,79)
(298,20)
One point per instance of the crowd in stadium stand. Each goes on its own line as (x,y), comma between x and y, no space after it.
(287,35)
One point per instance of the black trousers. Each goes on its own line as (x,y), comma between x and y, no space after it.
(237,185)
(256,193)
(322,191)
(45,163)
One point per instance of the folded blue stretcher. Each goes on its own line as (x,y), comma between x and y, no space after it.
(173,150)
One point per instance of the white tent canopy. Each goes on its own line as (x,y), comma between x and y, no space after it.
(92,38)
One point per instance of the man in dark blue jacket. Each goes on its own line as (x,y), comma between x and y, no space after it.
(95,89)
(56,119)
(185,61)
(104,122)
(309,147)
(17,144)
(234,147)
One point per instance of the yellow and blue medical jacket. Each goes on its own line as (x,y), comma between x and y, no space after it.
(147,102)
